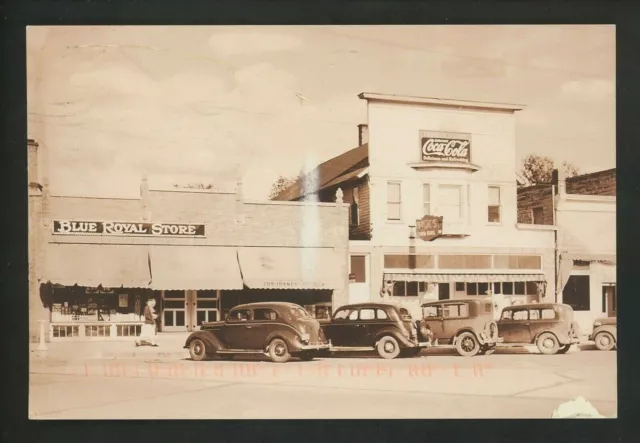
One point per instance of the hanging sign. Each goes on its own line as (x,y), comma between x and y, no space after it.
(429,227)
(450,147)
(111,228)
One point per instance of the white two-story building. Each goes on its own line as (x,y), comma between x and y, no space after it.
(432,189)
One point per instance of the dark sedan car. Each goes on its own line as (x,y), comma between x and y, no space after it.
(605,333)
(279,330)
(383,327)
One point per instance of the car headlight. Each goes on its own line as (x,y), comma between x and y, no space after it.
(304,337)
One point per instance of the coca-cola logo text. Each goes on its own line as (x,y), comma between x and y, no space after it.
(444,149)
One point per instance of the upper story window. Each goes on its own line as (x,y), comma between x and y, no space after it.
(494,208)
(450,202)
(426,199)
(394,201)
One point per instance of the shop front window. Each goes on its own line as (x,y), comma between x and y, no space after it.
(409,288)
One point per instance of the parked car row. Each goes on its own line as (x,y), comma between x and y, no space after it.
(284,330)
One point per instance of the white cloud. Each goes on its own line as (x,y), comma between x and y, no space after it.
(594,89)
(252,42)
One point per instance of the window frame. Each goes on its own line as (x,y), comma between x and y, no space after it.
(399,202)
(499,205)
(461,201)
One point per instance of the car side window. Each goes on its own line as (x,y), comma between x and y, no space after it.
(534,314)
(507,314)
(367,314)
(548,314)
(432,311)
(353,315)
(239,315)
(264,314)
(456,310)
(342,314)
(381,315)
(521,314)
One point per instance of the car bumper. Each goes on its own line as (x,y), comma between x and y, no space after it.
(315,347)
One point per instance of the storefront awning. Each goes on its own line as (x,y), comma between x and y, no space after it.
(194,267)
(470,278)
(291,268)
(94,265)
(586,256)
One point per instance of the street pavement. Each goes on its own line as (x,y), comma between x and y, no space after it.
(152,383)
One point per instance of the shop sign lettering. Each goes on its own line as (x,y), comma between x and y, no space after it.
(291,284)
(454,148)
(429,227)
(112,228)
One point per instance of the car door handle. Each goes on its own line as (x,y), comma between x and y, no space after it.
(248,326)
(527,324)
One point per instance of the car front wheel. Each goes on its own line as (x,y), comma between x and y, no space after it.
(547,344)
(604,341)
(388,347)
(197,350)
(467,345)
(279,351)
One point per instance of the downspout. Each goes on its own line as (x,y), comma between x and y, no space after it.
(555,243)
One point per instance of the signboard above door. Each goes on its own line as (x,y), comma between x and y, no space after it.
(449,147)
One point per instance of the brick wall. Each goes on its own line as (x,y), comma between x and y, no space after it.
(537,196)
(596,183)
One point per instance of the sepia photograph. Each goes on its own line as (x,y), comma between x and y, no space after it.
(322,222)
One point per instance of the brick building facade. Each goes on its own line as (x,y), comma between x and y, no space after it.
(95,261)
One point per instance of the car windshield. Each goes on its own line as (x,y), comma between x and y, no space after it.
(299,313)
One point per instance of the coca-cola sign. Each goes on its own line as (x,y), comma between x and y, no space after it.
(445,147)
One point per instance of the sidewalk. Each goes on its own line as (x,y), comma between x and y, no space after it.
(170,345)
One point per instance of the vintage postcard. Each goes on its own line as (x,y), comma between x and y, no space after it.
(237,222)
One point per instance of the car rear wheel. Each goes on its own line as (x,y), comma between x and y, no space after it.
(467,345)
(197,350)
(388,347)
(547,344)
(564,349)
(604,341)
(279,351)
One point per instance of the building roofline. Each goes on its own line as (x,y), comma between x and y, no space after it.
(440,102)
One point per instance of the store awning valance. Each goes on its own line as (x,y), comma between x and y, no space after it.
(586,256)
(94,265)
(194,267)
(291,268)
(470,278)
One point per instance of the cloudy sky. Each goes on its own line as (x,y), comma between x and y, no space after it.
(109,104)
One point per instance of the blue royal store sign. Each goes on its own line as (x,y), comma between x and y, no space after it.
(127,229)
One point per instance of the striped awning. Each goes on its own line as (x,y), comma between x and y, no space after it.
(470,278)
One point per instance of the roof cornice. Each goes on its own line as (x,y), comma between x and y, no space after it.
(429,101)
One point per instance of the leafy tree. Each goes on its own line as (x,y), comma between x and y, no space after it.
(281,184)
(537,169)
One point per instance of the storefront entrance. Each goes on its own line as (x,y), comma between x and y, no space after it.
(185,311)
(359,286)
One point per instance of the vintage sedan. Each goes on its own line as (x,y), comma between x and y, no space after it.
(279,330)
(386,328)
(466,324)
(605,333)
(550,326)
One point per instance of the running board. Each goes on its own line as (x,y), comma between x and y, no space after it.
(239,351)
(342,349)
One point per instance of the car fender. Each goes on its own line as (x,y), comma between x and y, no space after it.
(613,330)
(404,341)
(209,338)
(289,336)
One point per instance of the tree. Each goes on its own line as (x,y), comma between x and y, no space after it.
(537,169)
(281,184)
